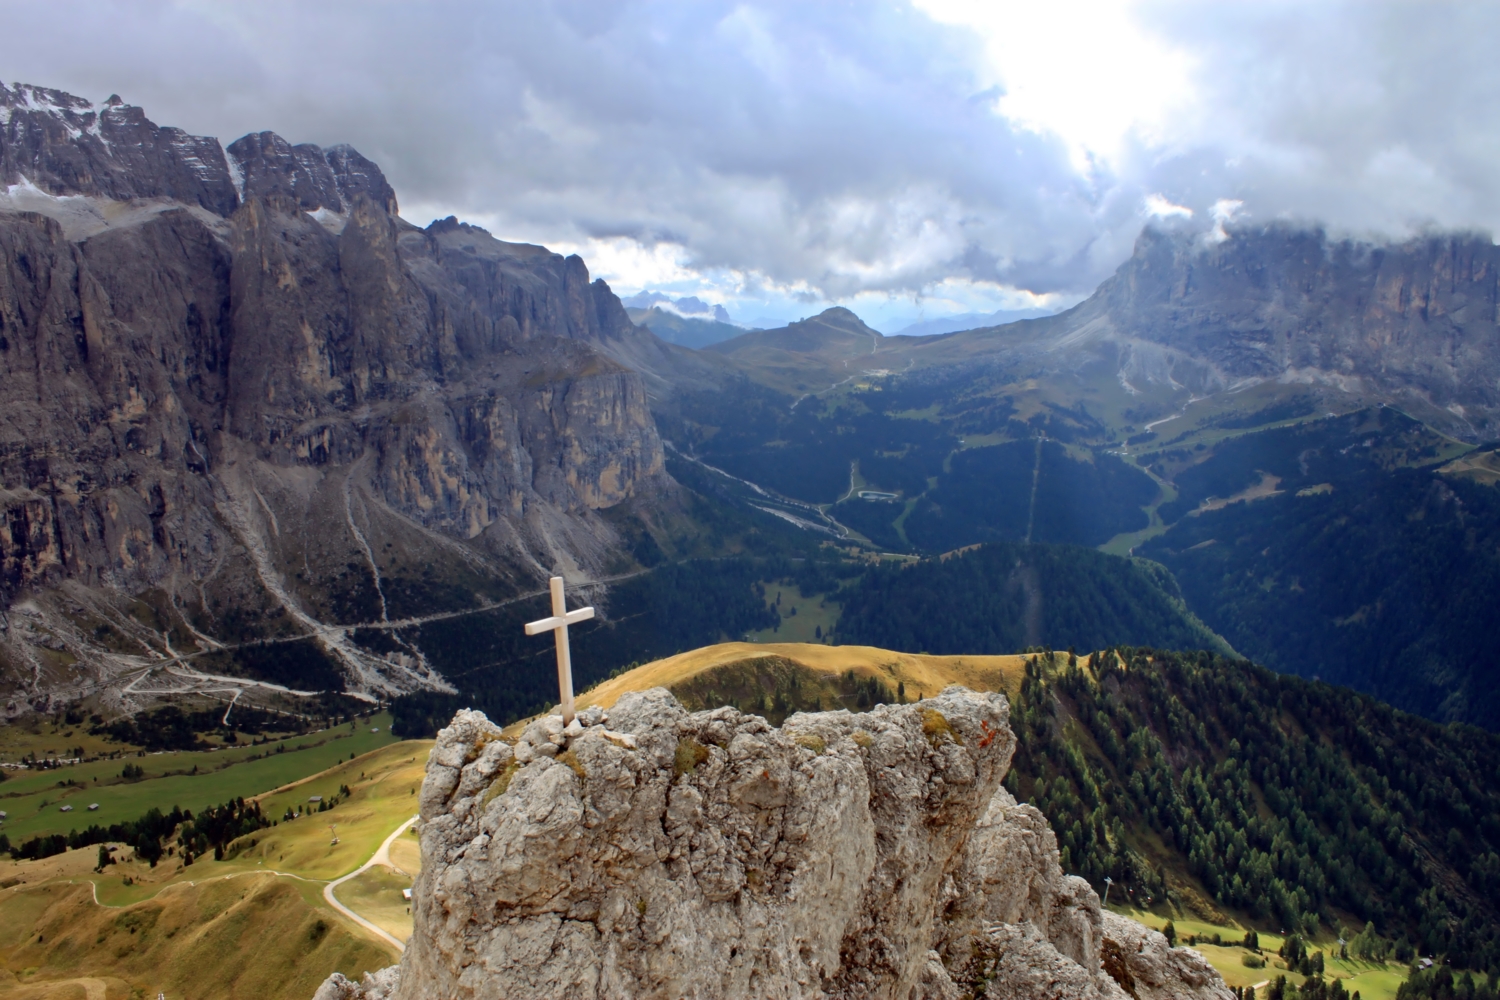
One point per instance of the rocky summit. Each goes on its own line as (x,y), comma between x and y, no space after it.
(657,853)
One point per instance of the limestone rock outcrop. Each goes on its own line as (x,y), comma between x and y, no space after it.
(377,985)
(1142,961)
(657,853)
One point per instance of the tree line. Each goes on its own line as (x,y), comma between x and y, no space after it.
(213,828)
(1288,800)
(1002,597)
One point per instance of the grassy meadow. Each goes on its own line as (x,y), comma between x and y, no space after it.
(812,613)
(253,925)
(190,779)
(376,896)
(919,672)
(1373,980)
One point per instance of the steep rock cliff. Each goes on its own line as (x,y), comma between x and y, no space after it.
(1415,323)
(657,853)
(66,145)
(241,388)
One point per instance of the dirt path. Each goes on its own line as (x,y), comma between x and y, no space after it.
(382,856)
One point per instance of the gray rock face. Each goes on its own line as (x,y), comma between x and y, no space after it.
(1415,322)
(657,853)
(243,405)
(312,177)
(67,145)
(1149,969)
(374,986)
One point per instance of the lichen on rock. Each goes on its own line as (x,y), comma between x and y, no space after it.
(658,853)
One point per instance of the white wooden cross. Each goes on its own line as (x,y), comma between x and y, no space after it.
(558,626)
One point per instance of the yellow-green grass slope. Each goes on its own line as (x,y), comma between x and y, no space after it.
(732,665)
(253,925)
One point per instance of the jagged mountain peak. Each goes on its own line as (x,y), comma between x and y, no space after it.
(64,145)
(265,164)
(30,96)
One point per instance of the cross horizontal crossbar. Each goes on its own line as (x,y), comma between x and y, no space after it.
(558,621)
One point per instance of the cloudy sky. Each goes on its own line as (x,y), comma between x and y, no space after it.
(908,160)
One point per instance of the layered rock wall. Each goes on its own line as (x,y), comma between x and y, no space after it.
(1418,320)
(234,381)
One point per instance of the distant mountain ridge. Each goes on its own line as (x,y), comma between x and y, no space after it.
(1159,416)
(687,306)
(1415,324)
(1418,321)
(959,322)
(688,331)
(831,328)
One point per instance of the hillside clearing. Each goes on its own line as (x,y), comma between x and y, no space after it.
(919,672)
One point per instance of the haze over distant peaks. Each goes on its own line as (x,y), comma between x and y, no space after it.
(968,321)
(689,306)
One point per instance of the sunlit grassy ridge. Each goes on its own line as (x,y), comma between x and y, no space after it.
(918,672)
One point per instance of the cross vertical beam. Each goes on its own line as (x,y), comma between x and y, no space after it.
(558,626)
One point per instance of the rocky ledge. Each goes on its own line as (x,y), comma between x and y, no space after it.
(657,853)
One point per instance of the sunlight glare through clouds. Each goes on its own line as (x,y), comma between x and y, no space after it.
(1084,70)
(910,157)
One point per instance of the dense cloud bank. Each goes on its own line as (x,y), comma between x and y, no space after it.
(782,152)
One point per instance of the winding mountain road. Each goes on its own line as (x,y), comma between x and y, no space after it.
(382,856)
